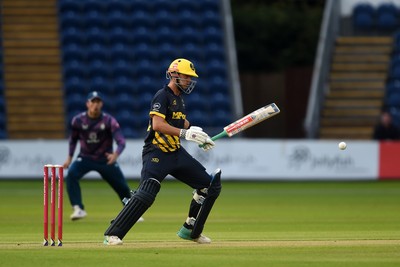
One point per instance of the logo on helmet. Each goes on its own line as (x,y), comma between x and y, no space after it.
(191,66)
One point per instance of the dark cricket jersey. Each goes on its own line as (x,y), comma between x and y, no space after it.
(172,108)
(96,136)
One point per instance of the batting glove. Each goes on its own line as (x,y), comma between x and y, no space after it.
(209,144)
(194,134)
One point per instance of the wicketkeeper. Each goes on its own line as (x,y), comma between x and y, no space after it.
(163,154)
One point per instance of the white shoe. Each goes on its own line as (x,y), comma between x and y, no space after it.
(202,240)
(141,219)
(78,213)
(112,240)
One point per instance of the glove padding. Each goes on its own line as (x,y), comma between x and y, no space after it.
(209,144)
(196,134)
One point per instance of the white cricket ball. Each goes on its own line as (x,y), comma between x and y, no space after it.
(342,145)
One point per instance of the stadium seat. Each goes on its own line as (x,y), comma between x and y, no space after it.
(122,67)
(130,132)
(140,18)
(189,17)
(363,16)
(211,18)
(218,84)
(72,35)
(220,101)
(74,68)
(73,51)
(165,5)
(99,68)
(97,52)
(119,35)
(94,18)
(193,52)
(101,84)
(393,86)
(213,34)
(118,6)
(75,85)
(70,19)
(69,5)
(196,100)
(144,51)
(144,5)
(96,35)
(94,5)
(124,84)
(217,67)
(143,102)
(118,18)
(190,34)
(120,51)
(124,101)
(142,34)
(125,117)
(76,101)
(215,51)
(393,100)
(387,17)
(221,118)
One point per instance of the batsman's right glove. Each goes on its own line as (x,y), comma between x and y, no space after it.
(195,134)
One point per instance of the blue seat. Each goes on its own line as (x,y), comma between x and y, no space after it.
(69,5)
(142,121)
(387,16)
(144,51)
(211,18)
(165,32)
(395,112)
(120,51)
(198,117)
(2,105)
(217,67)
(99,68)
(168,51)
(166,5)
(190,34)
(196,100)
(96,35)
(215,51)
(210,5)
(144,68)
(394,71)
(94,18)
(141,18)
(143,101)
(396,37)
(118,6)
(72,35)
(119,35)
(124,100)
(76,101)
(213,34)
(219,84)
(125,117)
(163,17)
(124,84)
(122,67)
(118,18)
(189,17)
(3,134)
(393,100)
(190,4)
(363,16)
(193,52)
(221,118)
(73,51)
(94,5)
(101,84)
(393,86)
(71,19)
(142,34)
(130,132)
(75,85)
(144,5)
(74,68)
(97,52)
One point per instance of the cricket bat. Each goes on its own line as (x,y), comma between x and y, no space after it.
(248,121)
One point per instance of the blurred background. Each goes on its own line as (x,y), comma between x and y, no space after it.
(331,66)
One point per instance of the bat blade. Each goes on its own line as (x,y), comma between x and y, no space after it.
(252,119)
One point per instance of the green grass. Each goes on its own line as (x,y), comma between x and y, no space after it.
(252,224)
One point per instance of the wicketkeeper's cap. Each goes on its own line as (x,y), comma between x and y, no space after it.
(94,95)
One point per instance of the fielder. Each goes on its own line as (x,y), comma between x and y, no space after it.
(96,131)
(163,154)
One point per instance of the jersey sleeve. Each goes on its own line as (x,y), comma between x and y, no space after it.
(117,135)
(159,105)
(74,136)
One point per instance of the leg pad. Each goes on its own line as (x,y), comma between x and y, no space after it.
(140,201)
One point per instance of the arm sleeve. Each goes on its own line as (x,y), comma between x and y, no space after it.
(73,138)
(118,136)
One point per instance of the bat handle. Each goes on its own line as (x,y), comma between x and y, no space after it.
(218,136)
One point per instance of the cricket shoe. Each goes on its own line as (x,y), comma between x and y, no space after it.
(141,219)
(78,213)
(112,240)
(184,233)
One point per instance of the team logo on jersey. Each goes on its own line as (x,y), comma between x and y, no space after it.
(156,160)
(102,126)
(93,138)
(178,116)
(156,106)
(85,126)
(174,102)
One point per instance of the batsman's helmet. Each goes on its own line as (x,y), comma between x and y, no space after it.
(186,67)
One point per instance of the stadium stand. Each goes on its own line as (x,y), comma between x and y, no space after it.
(128,45)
